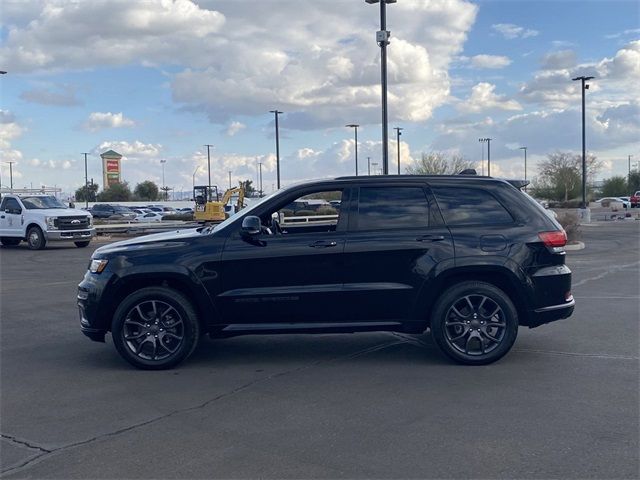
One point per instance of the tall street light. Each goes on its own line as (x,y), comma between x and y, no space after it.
(488,142)
(398,130)
(193,177)
(209,166)
(260,178)
(86,181)
(382,38)
(368,165)
(11,174)
(629,174)
(276,113)
(229,179)
(164,188)
(584,87)
(355,128)
(525,164)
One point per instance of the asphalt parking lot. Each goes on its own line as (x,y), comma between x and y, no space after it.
(562,404)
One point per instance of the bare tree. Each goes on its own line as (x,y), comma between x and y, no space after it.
(437,163)
(561,173)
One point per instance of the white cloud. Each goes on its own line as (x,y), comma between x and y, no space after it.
(511,31)
(101,120)
(490,61)
(57,95)
(133,151)
(559,60)
(484,98)
(234,128)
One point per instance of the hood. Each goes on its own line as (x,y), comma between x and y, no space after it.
(155,239)
(59,212)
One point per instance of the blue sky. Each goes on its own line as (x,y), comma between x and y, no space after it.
(157,80)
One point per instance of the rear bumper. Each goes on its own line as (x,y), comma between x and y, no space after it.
(70,235)
(552,296)
(549,314)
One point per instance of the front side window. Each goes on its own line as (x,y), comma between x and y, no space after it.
(392,207)
(10,204)
(318,211)
(470,206)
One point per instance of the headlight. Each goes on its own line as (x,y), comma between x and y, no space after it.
(51,223)
(89,221)
(97,266)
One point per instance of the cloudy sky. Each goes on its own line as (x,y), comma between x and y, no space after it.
(155,80)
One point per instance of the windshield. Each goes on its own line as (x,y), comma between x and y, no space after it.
(41,202)
(245,211)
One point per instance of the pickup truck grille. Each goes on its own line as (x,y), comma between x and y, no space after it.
(71,223)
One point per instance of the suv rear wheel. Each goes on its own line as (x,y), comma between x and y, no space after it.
(474,323)
(155,328)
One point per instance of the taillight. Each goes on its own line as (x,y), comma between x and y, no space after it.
(556,238)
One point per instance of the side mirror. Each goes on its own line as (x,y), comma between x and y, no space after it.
(251,226)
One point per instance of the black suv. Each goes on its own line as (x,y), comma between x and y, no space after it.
(470,258)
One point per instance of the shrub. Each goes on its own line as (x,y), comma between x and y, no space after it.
(179,216)
(571,224)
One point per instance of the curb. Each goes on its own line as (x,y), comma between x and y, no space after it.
(574,246)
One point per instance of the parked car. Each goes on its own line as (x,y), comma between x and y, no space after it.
(610,201)
(105,210)
(148,217)
(635,200)
(470,258)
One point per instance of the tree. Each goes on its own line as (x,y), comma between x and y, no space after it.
(634,182)
(437,163)
(560,175)
(146,190)
(118,192)
(90,191)
(249,191)
(614,187)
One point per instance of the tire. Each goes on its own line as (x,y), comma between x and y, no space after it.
(139,334)
(10,241)
(82,244)
(474,323)
(35,238)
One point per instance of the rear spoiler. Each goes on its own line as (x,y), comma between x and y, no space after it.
(519,184)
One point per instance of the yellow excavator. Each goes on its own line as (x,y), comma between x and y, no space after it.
(211,208)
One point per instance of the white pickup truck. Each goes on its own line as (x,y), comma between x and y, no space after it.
(38,219)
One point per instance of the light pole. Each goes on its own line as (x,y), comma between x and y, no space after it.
(229,179)
(11,174)
(209,166)
(164,188)
(193,177)
(629,174)
(584,87)
(369,166)
(382,38)
(488,142)
(525,164)
(276,113)
(398,130)
(260,178)
(355,127)
(86,182)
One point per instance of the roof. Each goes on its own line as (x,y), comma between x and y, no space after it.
(110,153)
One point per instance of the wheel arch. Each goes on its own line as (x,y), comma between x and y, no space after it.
(499,276)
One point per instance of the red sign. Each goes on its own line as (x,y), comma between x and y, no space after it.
(113,166)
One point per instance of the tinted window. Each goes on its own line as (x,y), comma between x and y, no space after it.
(470,206)
(10,204)
(392,207)
(312,212)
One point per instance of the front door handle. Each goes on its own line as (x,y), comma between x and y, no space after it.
(324,244)
(430,238)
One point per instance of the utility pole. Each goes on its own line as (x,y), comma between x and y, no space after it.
(369,166)
(164,188)
(209,169)
(229,179)
(382,38)
(276,113)
(488,142)
(584,87)
(629,174)
(355,127)
(86,182)
(11,174)
(260,177)
(398,129)
(525,164)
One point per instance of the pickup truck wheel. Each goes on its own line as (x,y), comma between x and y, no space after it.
(474,323)
(82,244)
(10,242)
(155,328)
(35,239)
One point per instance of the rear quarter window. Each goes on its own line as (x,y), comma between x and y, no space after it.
(470,206)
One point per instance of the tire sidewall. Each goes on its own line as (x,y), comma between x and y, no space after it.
(40,244)
(474,288)
(82,244)
(177,301)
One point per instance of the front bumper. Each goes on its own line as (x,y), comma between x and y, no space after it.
(94,321)
(70,235)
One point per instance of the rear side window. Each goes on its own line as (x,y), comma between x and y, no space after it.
(470,206)
(392,207)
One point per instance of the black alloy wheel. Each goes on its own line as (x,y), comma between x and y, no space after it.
(155,328)
(475,323)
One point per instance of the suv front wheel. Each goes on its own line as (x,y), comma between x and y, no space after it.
(474,323)
(155,328)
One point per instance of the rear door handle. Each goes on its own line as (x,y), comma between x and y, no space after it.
(430,238)
(324,244)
